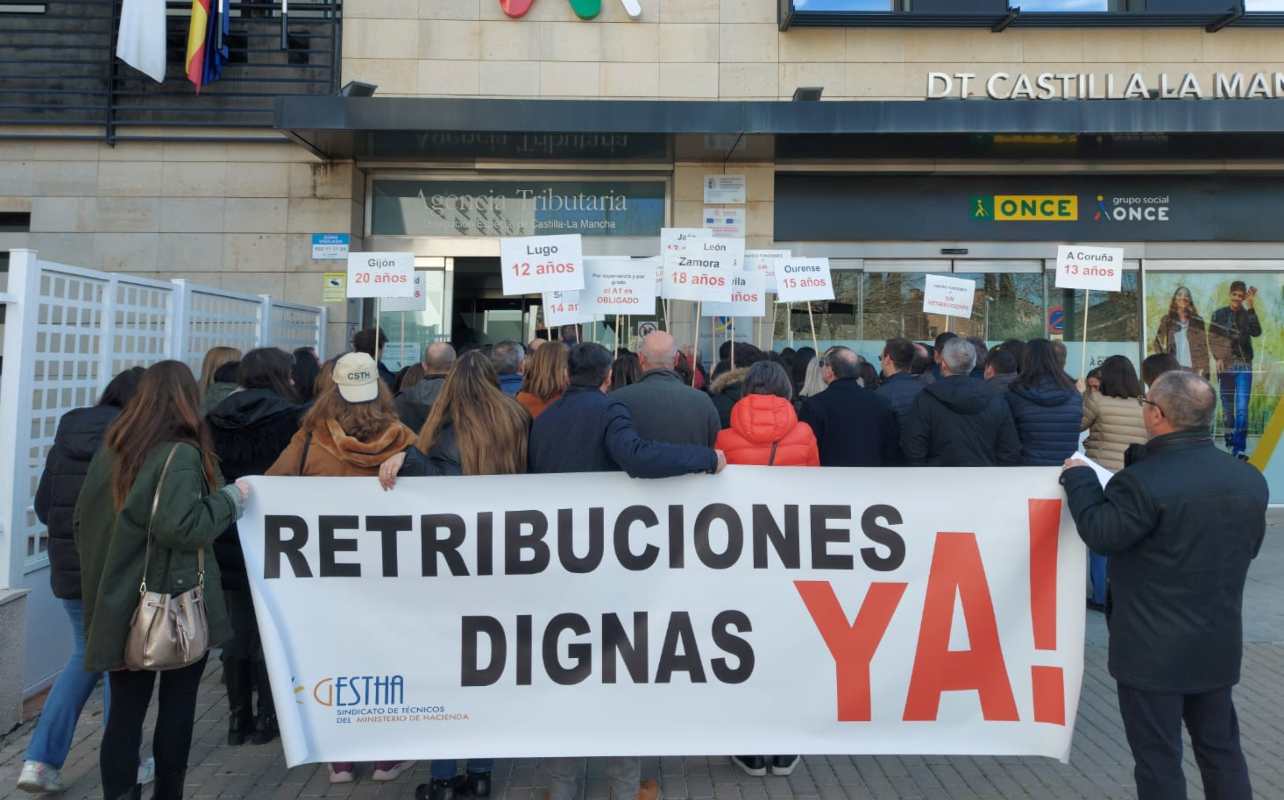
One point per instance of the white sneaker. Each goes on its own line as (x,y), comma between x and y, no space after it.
(147,772)
(342,774)
(38,778)
(390,771)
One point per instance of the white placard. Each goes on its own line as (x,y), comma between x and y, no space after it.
(952,297)
(725,223)
(1097,268)
(670,240)
(535,264)
(565,308)
(766,262)
(725,189)
(870,643)
(748,299)
(700,269)
(619,286)
(801,279)
(381,275)
(419,302)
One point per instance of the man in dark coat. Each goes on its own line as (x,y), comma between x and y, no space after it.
(854,426)
(1180,527)
(1000,370)
(364,342)
(415,403)
(587,430)
(662,406)
(957,422)
(900,385)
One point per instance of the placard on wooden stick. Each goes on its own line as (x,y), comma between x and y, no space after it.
(536,264)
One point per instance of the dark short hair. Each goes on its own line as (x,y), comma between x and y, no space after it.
(569,334)
(1119,378)
(227,372)
(900,351)
(1239,286)
(1157,365)
(1017,348)
(364,341)
(1058,349)
(941,339)
(1003,362)
(843,361)
(588,363)
(121,388)
(768,377)
(267,368)
(981,348)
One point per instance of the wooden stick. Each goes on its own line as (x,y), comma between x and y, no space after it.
(732,327)
(378,308)
(616,347)
(815,344)
(695,345)
(1083,366)
(789,323)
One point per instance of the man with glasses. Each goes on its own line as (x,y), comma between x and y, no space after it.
(900,385)
(854,426)
(1180,528)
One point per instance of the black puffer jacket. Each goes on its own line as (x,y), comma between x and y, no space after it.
(250,429)
(1047,418)
(957,422)
(80,433)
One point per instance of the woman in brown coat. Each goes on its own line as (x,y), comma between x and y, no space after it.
(352,428)
(546,378)
(1112,416)
(1182,334)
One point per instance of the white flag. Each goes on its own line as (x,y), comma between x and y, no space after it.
(141,43)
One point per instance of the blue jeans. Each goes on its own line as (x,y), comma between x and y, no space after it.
(1236,387)
(52,739)
(443,769)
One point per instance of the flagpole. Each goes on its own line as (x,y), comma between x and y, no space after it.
(285,24)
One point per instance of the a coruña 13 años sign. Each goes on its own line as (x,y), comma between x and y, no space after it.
(762,610)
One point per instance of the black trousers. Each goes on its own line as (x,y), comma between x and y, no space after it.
(1153,720)
(131,693)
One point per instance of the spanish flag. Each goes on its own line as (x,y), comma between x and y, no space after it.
(197,39)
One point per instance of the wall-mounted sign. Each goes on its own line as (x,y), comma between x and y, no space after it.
(1104,86)
(518,208)
(725,189)
(1078,208)
(726,223)
(330,246)
(334,287)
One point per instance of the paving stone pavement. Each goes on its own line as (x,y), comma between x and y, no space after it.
(1100,765)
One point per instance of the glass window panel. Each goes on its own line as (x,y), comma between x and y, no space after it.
(842,5)
(1114,327)
(1079,6)
(409,332)
(1264,5)
(837,321)
(1219,341)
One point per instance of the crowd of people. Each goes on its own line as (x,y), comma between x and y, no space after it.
(165,453)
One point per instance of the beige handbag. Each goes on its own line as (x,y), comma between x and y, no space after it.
(167,632)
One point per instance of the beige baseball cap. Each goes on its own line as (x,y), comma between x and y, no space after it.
(357,378)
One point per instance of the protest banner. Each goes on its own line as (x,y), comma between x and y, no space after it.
(747,298)
(1089,268)
(761,610)
(950,296)
(619,285)
(536,264)
(565,308)
(699,269)
(766,262)
(381,275)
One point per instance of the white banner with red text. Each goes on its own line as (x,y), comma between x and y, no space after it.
(762,610)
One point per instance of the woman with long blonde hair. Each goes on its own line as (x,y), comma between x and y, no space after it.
(214,390)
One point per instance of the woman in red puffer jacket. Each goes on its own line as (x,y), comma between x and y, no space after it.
(764,427)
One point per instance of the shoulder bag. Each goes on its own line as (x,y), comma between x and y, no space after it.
(167,632)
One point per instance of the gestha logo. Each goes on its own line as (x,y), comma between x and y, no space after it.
(584,9)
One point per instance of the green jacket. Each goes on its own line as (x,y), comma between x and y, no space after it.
(112,546)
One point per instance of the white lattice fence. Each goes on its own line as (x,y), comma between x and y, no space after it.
(67,332)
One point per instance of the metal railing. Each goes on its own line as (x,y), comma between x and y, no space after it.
(58,67)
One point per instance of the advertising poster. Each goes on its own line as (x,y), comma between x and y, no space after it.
(1225,326)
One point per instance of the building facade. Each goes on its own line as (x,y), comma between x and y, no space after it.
(953,137)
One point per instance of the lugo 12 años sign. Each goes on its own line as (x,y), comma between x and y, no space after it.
(1104,86)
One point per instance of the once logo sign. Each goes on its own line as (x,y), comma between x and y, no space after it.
(584,9)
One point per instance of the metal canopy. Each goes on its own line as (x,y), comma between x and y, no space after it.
(397,128)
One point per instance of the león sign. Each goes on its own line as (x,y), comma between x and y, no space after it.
(584,9)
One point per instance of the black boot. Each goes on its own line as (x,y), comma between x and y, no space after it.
(240,720)
(476,784)
(437,790)
(265,727)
